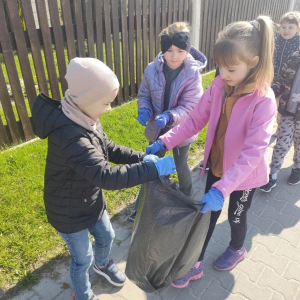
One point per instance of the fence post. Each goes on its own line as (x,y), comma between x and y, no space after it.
(291,5)
(196,13)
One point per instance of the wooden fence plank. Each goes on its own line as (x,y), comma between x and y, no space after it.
(227,17)
(209,31)
(79,26)
(89,27)
(186,10)
(175,11)
(180,11)
(151,30)
(42,14)
(131,33)
(59,44)
(22,50)
(164,14)
(205,28)
(4,140)
(145,34)
(190,11)
(125,53)
(138,39)
(13,75)
(202,8)
(99,28)
(213,33)
(35,46)
(8,110)
(170,12)
(67,19)
(221,16)
(157,26)
(108,48)
(116,38)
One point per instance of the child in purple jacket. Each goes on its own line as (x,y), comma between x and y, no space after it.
(170,89)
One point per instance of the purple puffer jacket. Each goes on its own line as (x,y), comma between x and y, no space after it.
(185,92)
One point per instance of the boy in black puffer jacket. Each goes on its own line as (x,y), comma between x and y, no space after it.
(78,168)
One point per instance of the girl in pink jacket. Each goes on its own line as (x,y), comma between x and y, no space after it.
(239,108)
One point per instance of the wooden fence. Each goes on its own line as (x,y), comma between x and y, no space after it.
(122,33)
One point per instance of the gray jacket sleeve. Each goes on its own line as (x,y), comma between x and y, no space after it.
(144,95)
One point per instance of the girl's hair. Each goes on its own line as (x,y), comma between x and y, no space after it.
(174,28)
(240,42)
(291,17)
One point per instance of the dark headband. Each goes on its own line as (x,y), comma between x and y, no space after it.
(180,40)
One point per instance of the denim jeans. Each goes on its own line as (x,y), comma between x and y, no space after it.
(80,248)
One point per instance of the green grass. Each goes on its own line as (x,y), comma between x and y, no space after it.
(27,241)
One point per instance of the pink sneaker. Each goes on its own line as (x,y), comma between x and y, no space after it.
(195,273)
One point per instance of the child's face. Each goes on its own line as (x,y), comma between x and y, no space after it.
(235,75)
(288,30)
(95,110)
(174,57)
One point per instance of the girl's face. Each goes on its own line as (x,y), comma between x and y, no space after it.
(235,75)
(288,30)
(175,56)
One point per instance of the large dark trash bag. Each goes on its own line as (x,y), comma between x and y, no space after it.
(168,236)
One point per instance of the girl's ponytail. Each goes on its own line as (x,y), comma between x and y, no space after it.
(265,70)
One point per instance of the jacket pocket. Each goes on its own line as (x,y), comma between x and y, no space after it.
(90,202)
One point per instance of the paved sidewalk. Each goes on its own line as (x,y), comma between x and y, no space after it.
(271,271)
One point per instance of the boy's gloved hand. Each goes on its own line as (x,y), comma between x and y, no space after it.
(162,120)
(155,147)
(165,165)
(144,115)
(213,200)
(151,157)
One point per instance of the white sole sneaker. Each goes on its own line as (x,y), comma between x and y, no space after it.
(269,190)
(98,271)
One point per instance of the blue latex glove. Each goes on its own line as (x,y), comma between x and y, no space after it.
(151,157)
(165,166)
(162,120)
(213,200)
(155,147)
(144,115)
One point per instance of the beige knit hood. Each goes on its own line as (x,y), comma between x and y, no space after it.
(89,81)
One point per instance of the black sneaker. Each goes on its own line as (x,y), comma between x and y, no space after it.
(268,187)
(131,218)
(294,177)
(112,273)
(201,166)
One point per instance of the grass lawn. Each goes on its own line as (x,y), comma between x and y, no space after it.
(27,241)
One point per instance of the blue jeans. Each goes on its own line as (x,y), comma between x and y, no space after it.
(80,248)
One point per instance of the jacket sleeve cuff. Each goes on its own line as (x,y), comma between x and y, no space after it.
(221,188)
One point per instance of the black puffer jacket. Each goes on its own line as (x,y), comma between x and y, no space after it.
(77,168)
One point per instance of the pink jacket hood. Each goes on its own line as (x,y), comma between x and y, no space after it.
(245,163)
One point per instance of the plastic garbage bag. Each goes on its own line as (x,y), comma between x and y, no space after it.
(168,236)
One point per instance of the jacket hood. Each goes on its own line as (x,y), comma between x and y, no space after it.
(47,115)
(195,58)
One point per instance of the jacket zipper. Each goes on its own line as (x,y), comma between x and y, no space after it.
(281,58)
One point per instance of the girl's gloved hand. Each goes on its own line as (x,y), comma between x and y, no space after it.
(162,120)
(151,157)
(144,115)
(213,200)
(165,166)
(155,147)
